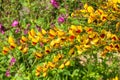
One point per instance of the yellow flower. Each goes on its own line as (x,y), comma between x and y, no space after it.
(24,50)
(103,34)
(91,18)
(40,35)
(67,63)
(31,34)
(12,45)
(54,42)
(23,39)
(109,34)
(35,40)
(44,69)
(115,1)
(93,35)
(47,50)
(116,78)
(44,32)
(44,74)
(90,9)
(117,26)
(52,33)
(79,49)
(51,65)
(37,73)
(99,12)
(88,29)
(5,50)
(11,39)
(61,66)
(114,37)
(60,33)
(39,68)
(79,29)
(117,47)
(71,52)
(103,53)
(103,17)
(86,6)
(95,41)
(38,55)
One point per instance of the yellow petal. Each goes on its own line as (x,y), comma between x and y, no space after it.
(90,9)
(52,32)
(11,39)
(32,32)
(43,32)
(71,52)
(5,50)
(37,74)
(86,6)
(38,55)
(61,66)
(67,63)
(25,50)
(47,50)
(12,45)
(44,74)
(23,39)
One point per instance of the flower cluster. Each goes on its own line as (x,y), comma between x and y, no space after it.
(78,39)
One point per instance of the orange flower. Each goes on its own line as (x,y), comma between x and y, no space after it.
(5,50)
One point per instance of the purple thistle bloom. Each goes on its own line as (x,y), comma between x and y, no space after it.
(15,23)
(61,19)
(12,61)
(7,74)
(54,3)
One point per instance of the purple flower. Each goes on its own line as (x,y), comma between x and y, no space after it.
(12,61)
(61,19)
(54,3)
(2,29)
(7,74)
(28,25)
(2,32)
(41,44)
(0,26)
(38,28)
(25,31)
(17,30)
(15,23)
